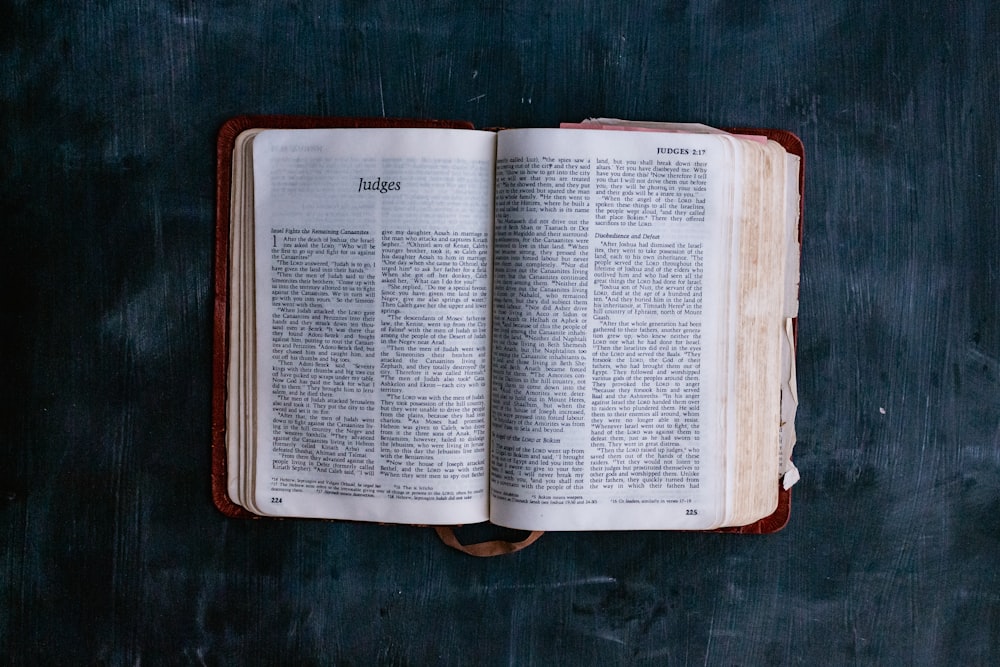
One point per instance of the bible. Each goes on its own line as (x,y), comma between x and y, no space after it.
(589,327)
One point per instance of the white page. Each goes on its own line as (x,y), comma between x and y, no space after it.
(612,265)
(373,252)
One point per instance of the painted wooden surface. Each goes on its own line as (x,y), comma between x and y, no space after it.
(110,550)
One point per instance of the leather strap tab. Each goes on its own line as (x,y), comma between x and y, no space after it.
(487,548)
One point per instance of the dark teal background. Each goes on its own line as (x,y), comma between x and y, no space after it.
(111,552)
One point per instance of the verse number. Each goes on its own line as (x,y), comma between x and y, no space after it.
(275,499)
(690,512)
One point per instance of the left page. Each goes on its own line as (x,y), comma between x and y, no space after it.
(372,266)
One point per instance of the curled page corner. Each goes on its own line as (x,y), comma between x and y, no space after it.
(789,404)
(790,477)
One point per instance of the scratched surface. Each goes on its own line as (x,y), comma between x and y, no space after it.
(110,550)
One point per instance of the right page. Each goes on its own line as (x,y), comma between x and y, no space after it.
(616,356)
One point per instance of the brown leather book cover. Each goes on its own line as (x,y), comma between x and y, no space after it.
(228,133)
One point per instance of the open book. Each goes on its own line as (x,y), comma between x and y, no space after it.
(582,328)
